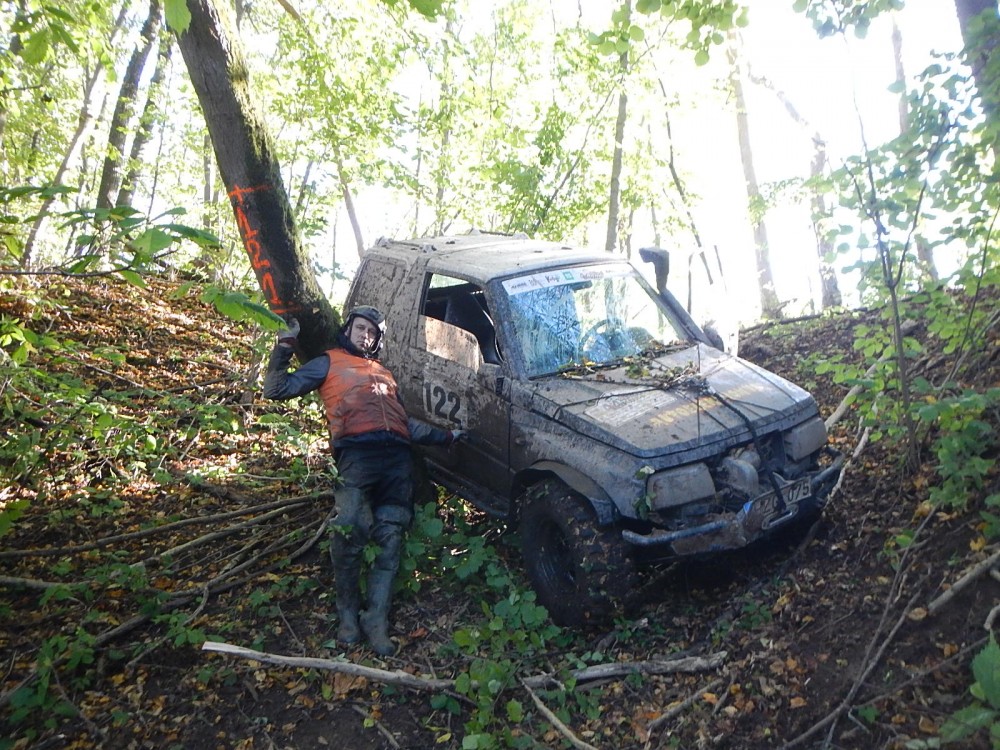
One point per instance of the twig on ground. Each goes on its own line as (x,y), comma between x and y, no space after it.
(958,586)
(681,707)
(106,541)
(378,725)
(623,669)
(550,717)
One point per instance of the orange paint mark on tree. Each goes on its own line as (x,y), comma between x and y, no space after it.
(258,259)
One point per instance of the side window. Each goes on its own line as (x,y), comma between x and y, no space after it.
(462,305)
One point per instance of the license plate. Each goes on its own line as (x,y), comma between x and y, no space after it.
(771,512)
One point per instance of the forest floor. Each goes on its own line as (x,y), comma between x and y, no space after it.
(827,640)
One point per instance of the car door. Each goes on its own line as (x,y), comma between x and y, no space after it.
(451,385)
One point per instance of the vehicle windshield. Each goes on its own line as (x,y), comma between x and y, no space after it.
(586,316)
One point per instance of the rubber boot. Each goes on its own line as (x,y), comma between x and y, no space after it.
(348,603)
(375,619)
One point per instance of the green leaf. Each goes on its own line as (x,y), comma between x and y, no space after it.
(986,669)
(177,14)
(36,48)
(965,722)
(701,57)
(132,278)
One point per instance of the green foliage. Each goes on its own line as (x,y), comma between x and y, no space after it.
(984,712)
(239,307)
(964,444)
(831,17)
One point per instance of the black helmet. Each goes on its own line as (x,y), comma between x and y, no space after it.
(373,316)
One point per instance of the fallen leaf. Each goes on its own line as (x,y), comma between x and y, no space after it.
(797,702)
(977,544)
(927,726)
(917,614)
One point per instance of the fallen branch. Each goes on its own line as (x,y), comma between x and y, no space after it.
(397,677)
(419,682)
(684,705)
(623,669)
(962,583)
(106,541)
(554,720)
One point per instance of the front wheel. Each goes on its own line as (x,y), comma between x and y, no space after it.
(582,574)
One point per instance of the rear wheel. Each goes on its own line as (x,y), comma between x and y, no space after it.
(582,574)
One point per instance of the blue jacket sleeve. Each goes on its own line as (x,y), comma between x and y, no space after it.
(280,384)
(426,434)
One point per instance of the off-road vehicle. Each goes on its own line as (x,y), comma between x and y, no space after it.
(600,418)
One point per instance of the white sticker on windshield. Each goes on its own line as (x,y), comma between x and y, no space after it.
(546,279)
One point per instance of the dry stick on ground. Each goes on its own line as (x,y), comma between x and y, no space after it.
(378,725)
(106,541)
(180,599)
(550,717)
(417,682)
(962,583)
(684,705)
(869,660)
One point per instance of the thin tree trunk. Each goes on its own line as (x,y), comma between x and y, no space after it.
(352,213)
(249,168)
(111,175)
(830,295)
(81,127)
(446,105)
(979,46)
(614,193)
(14,47)
(770,306)
(925,255)
(145,131)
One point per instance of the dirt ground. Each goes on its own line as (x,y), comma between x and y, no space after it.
(827,636)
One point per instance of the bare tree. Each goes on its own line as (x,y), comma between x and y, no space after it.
(770,306)
(114,157)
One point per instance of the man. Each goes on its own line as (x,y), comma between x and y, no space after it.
(370,437)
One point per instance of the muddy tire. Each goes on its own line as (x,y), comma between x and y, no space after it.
(581,574)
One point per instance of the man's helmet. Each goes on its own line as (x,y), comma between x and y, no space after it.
(373,316)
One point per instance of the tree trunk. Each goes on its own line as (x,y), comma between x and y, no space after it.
(114,158)
(145,130)
(830,295)
(614,194)
(980,40)
(249,168)
(925,254)
(770,307)
(71,150)
(352,213)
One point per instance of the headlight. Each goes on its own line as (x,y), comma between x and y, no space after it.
(679,486)
(807,438)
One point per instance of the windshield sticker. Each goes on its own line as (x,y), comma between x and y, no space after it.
(565,276)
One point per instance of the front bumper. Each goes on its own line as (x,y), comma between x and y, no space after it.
(733,530)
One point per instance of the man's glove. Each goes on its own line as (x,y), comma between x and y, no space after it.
(457,435)
(290,334)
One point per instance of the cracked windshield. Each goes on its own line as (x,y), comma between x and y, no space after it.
(589,315)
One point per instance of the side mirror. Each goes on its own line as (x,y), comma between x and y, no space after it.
(660,259)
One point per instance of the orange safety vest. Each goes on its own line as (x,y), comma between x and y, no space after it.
(361,396)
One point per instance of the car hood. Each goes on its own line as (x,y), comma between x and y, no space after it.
(711,403)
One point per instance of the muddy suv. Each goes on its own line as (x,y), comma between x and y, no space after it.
(600,417)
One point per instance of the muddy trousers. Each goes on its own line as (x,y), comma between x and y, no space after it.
(373,505)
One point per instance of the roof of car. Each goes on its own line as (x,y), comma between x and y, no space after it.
(482,257)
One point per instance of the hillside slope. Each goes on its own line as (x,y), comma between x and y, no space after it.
(162,502)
